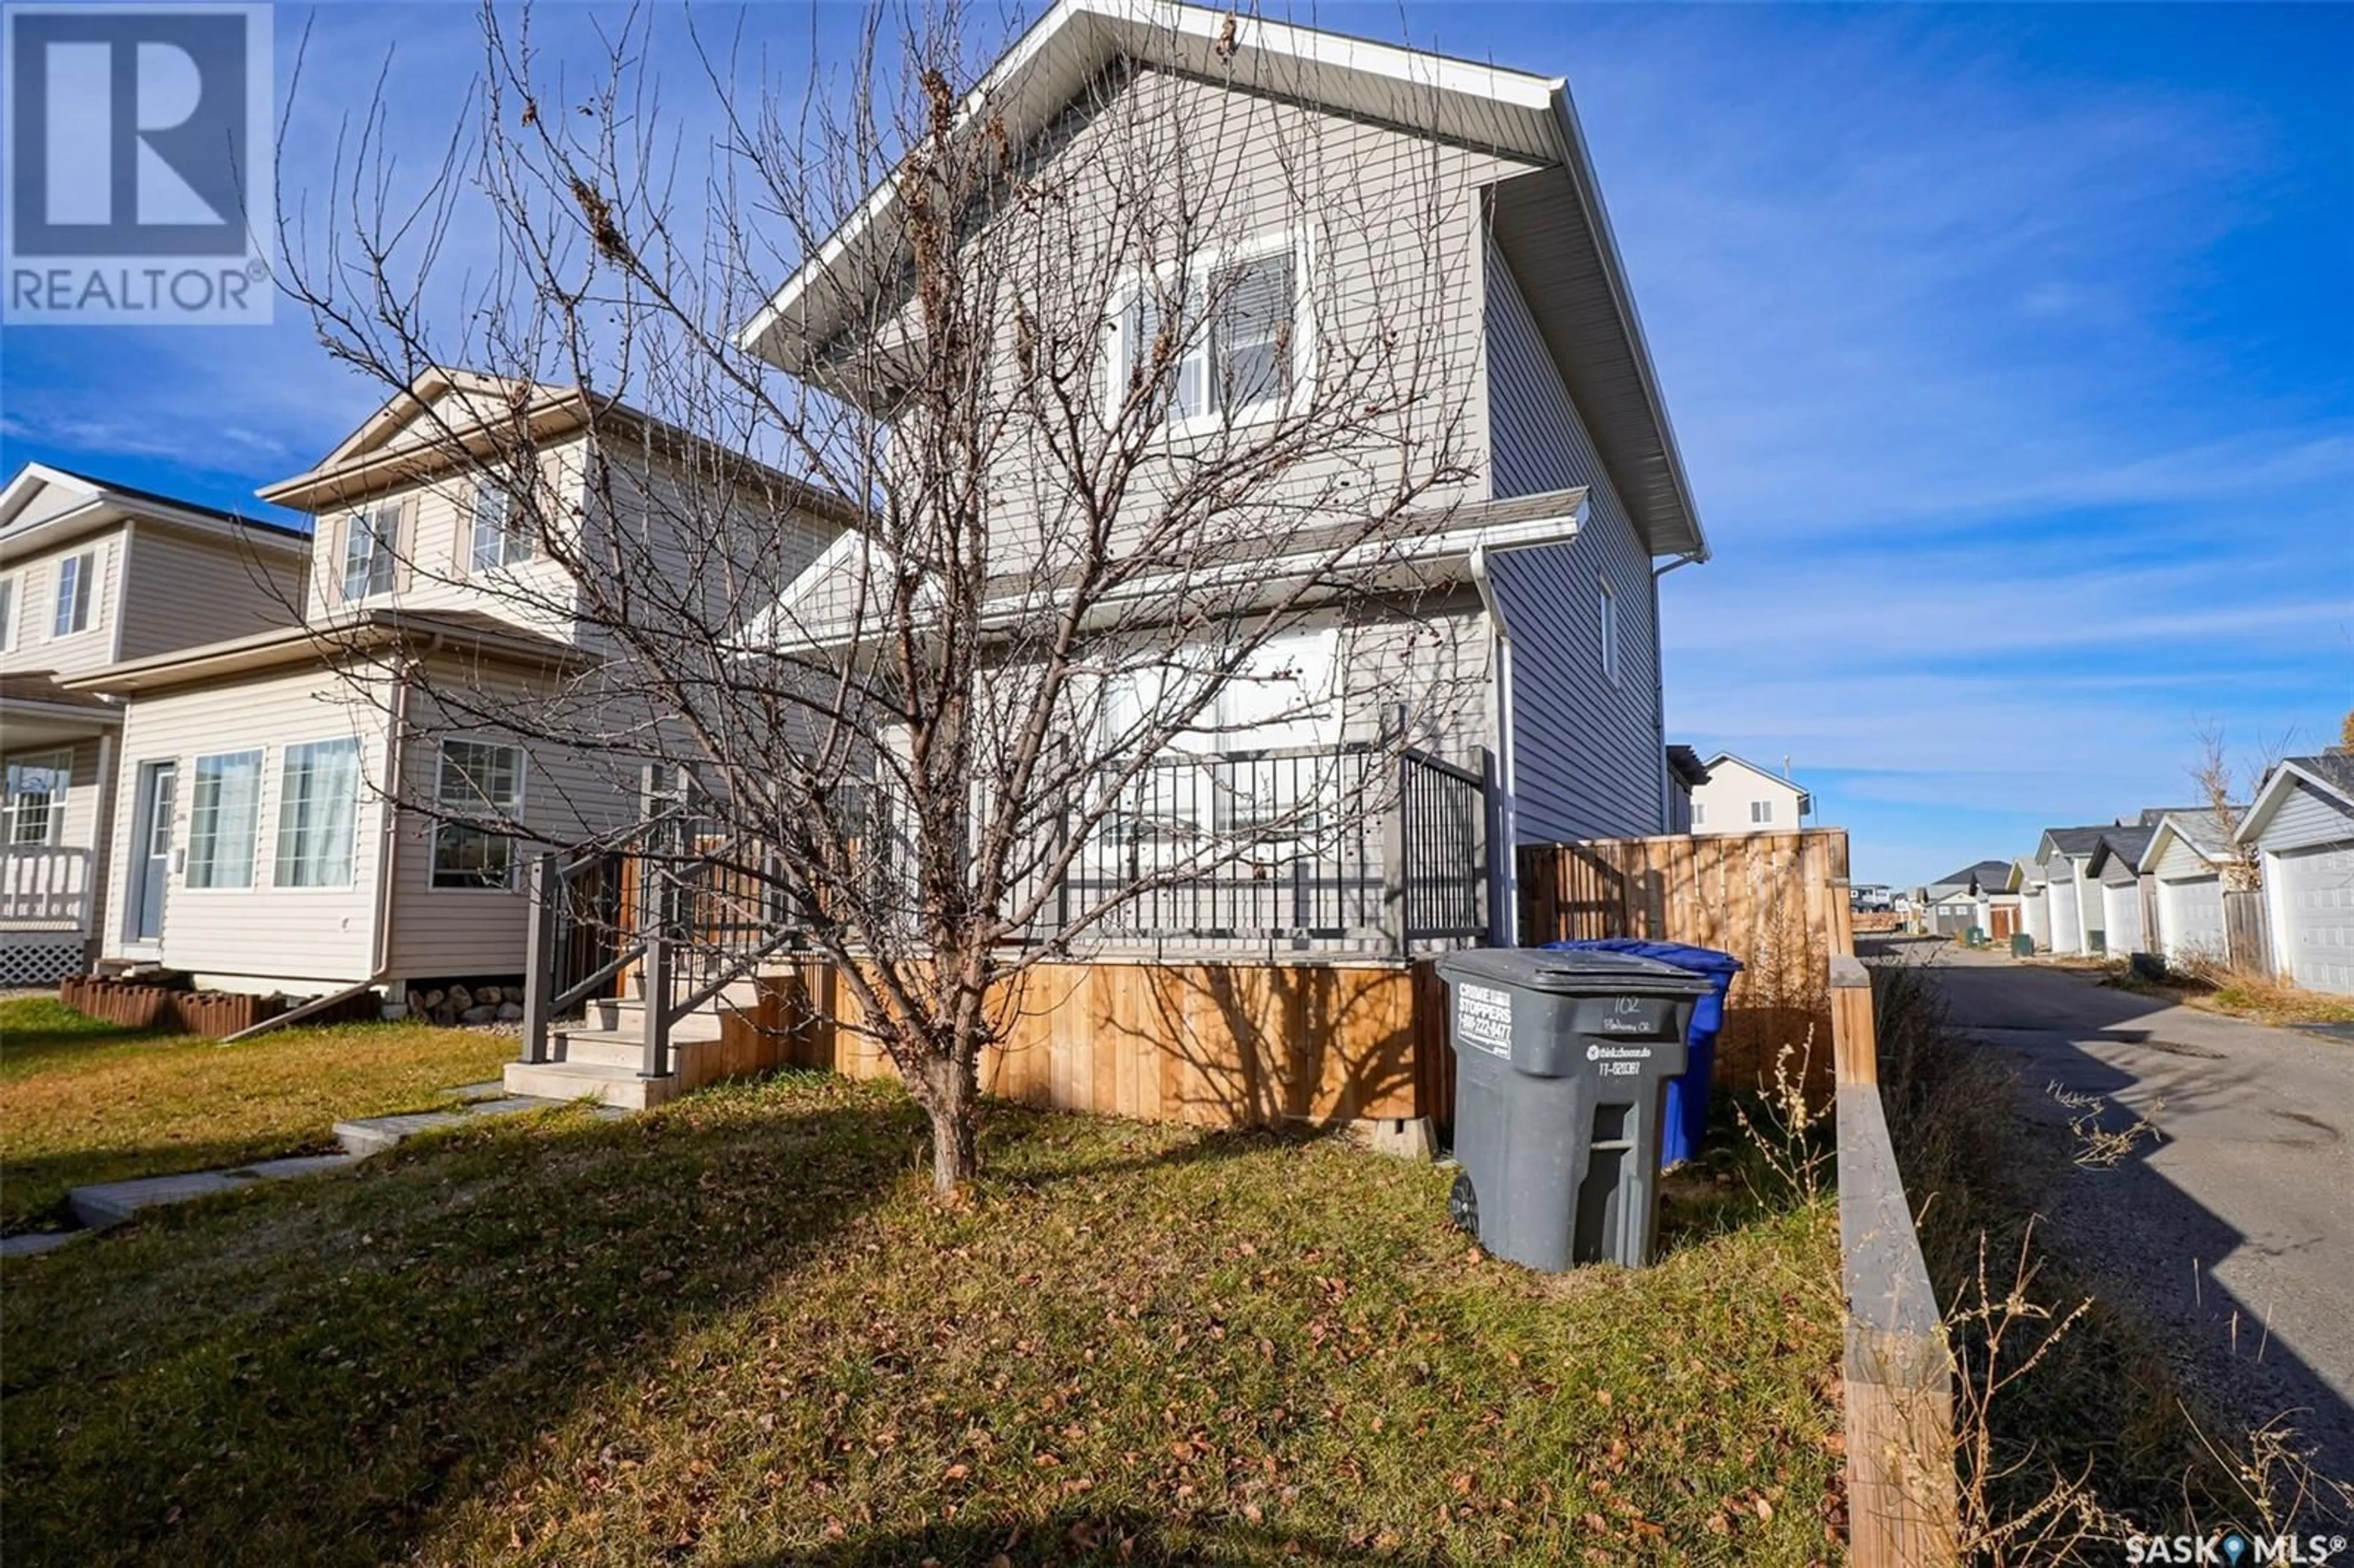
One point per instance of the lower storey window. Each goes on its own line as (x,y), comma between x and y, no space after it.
(223,809)
(318,806)
(479,797)
(37,797)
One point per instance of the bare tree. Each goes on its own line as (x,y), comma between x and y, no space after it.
(1111,408)
(2225,791)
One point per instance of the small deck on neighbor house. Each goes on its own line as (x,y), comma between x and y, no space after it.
(48,902)
(1289,982)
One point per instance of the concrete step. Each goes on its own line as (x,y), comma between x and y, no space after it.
(604,1048)
(618,1087)
(629,1018)
(375,1134)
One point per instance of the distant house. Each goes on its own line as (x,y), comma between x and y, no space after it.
(1740,796)
(1964,898)
(93,572)
(2187,851)
(2071,894)
(2301,825)
(2125,894)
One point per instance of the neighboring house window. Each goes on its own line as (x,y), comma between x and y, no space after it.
(1609,630)
(318,813)
(1699,813)
(37,797)
(501,535)
(480,783)
(1238,361)
(222,812)
(369,539)
(1761,811)
(74,572)
(7,612)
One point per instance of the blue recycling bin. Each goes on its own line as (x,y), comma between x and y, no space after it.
(1687,1108)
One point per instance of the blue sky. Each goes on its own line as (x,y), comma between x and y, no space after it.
(2010,349)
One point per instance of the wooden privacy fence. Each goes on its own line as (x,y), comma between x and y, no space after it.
(1778,902)
(1898,1373)
(1211,1044)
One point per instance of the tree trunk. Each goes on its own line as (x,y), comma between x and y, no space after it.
(951,1099)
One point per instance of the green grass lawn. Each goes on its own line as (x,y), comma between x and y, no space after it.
(82,1101)
(739,1332)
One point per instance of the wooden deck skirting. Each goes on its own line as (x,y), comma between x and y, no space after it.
(1205,1043)
(1899,1370)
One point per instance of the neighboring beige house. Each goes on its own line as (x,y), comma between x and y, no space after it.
(259,773)
(91,573)
(1740,796)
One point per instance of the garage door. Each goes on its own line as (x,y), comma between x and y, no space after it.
(2035,909)
(2121,917)
(2191,919)
(2067,936)
(2315,905)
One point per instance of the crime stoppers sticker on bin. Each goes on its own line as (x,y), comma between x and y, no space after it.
(1483,1017)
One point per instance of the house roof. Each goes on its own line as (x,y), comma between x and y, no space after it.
(2118,858)
(1721,758)
(447,417)
(2328,774)
(1549,221)
(2023,872)
(368,630)
(826,606)
(101,503)
(1984,876)
(2074,842)
(2197,830)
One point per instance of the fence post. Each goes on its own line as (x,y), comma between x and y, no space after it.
(1394,880)
(539,954)
(653,972)
(1855,1044)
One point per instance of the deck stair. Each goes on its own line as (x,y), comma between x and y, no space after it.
(602,1055)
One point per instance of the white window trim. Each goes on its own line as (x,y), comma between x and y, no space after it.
(278,818)
(359,518)
(1611,632)
(84,600)
(508,557)
(433,850)
(14,582)
(1761,814)
(59,761)
(1119,352)
(253,858)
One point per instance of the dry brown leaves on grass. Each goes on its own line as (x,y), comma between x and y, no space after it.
(739,1330)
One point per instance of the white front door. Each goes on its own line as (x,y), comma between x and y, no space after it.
(2314,909)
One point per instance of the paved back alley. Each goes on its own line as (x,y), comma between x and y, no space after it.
(2236,1229)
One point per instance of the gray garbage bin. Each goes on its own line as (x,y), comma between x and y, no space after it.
(1561,1062)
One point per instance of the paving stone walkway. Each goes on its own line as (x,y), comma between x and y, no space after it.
(110,1203)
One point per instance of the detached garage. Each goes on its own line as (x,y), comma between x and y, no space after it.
(2302,826)
(2034,908)
(2071,898)
(2116,867)
(2187,855)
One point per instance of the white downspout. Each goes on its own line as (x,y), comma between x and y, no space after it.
(1659,697)
(1508,858)
(388,832)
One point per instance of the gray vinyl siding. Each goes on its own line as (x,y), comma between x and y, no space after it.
(1586,761)
(181,592)
(2304,818)
(36,645)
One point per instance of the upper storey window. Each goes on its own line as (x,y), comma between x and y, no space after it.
(370,538)
(1228,334)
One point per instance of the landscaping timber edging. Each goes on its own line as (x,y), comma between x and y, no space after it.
(177,1010)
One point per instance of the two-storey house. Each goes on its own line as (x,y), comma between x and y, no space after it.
(345,801)
(92,573)
(1364,192)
